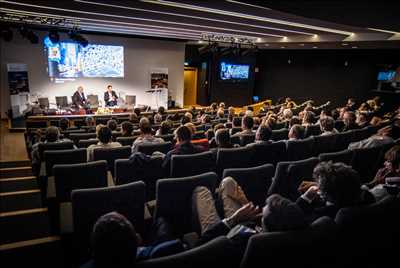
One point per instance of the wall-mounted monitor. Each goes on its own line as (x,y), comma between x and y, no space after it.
(386,75)
(71,60)
(234,72)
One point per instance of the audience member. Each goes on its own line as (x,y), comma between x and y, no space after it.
(165,128)
(133,118)
(146,136)
(222,139)
(384,136)
(362,120)
(247,126)
(263,134)
(296,132)
(308,119)
(327,125)
(104,135)
(349,120)
(112,124)
(137,111)
(127,129)
(64,124)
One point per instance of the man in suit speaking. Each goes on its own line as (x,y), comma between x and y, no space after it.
(78,99)
(110,97)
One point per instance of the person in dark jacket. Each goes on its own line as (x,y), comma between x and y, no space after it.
(79,99)
(110,97)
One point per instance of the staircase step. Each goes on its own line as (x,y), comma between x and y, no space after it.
(24,225)
(18,184)
(15,172)
(13,164)
(20,200)
(41,252)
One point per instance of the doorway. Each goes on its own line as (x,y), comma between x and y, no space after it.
(190,86)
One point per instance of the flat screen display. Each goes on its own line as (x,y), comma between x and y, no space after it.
(230,71)
(386,76)
(71,60)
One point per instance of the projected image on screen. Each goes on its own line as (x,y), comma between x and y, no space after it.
(71,60)
(234,71)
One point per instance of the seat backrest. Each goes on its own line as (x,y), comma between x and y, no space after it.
(234,158)
(78,176)
(111,154)
(235,130)
(87,143)
(324,144)
(344,156)
(199,135)
(90,204)
(269,153)
(219,252)
(360,134)
(339,125)
(53,146)
(126,141)
(254,181)
(366,162)
(174,199)
(72,156)
(280,134)
(76,137)
(167,137)
(300,149)
(288,249)
(289,175)
(192,164)
(313,130)
(247,139)
(127,171)
(343,140)
(149,148)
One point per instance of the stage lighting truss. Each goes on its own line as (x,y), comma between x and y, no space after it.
(228,39)
(38,20)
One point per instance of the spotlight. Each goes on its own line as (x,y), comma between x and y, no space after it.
(54,36)
(6,34)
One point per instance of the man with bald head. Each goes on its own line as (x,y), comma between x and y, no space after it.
(78,99)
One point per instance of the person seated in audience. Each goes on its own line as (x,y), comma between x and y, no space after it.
(308,119)
(185,119)
(213,142)
(190,116)
(165,128)
(247,126)
(384,136)
(342,111)
(364,107)
(161,110)
(220,113)
(351,105)
(323,114)
(127,129)
(290,104)
(375,121)
(335,114)
(104,135)
(231,113)
(336,186)
(263,134)
(133,118)
(112,124)
(199,116)
(157,118)
(64,124)
(266,107)
(201,142)
(52,135)
(236,126)
(271,122)
(362,120)
(146,136)
(391,169)
(249,111)
(327,125)
(287,114)
(295,120)
(349,120)
(137,111)
(206,119)
(213,108)
(296,132)
(222,139)
(375,103)
(221,105)
(184,145)
(90,124)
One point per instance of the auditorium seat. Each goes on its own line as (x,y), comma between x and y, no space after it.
(234,158)
(324,144)
(149,148)
(111,154)
(70,131)
(360,134)
(339,125)
(247,139)
(90,204)
(127,171)
(192,164)
(344,156)
(313,130)
(167,137)
(366,162)
(76,137)
(343,140)
(174,200)
(289,175)
(254,181)
(280,134)
(269,153)
(76,176)
(312,247)
(235,130)
(87,143)
(220,251)
(279,125)
(300,149)
(198,135)
(126,141)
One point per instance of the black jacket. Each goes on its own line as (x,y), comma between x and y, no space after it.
(107,99)
(78,100)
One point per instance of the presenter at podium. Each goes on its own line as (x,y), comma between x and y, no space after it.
(110,97)
(78,99)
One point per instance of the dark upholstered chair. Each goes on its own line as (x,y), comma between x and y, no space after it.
(87,143)
(366,162)
(149,148)
(234,158)
(360,134)
(199,135)
(344,156)
(324,144)
(288,249)
(53,146)
(174,200)
(111,154)
(167,137)
(126,141)
(192,164)
(247,139)
(127,171)
(339,125)
(218,252)
(280,134)
(76,176)
(289,175)
(254,181)
(300,149)
(343,140)
(235,130)
(269,153)
(76,137)
(313,130)
(366,230)
(70,131)
(89,204)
